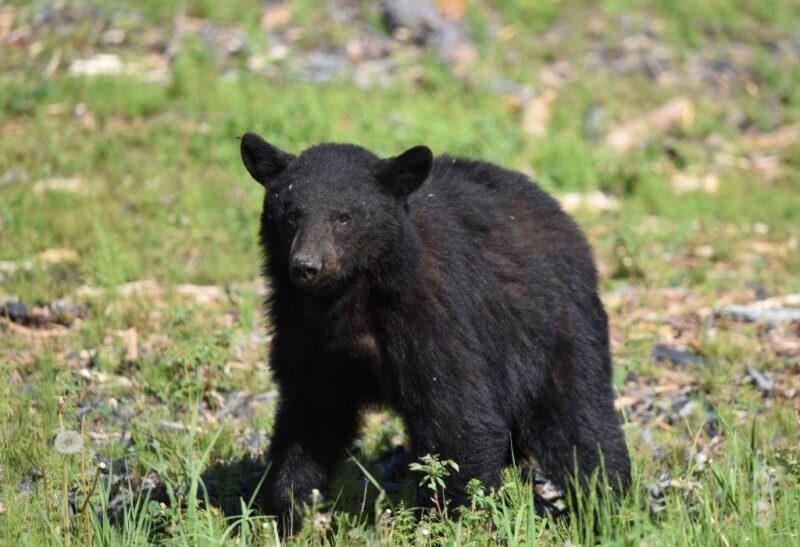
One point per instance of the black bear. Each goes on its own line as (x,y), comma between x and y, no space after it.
(455,292)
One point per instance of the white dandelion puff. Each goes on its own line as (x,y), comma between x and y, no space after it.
(69,442)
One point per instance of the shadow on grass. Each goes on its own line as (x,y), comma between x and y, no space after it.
(231,485)
(229,482)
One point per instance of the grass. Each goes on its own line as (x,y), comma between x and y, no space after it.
(131,180)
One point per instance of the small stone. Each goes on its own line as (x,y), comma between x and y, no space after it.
(704,251)
(15,311)
(663,352)
(763,380)
(114,36)
(592,201)
(761,313)
(700,461)
(688,409)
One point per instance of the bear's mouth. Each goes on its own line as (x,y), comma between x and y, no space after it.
(329,288)
(322,284)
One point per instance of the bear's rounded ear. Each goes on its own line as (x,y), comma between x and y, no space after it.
(403,174)
(263,161)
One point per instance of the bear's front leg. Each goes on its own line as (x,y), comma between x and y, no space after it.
(477,443)
(308,441)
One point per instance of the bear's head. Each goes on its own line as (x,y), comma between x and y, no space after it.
(334,210)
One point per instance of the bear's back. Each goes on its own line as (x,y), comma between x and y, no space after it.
(485,222)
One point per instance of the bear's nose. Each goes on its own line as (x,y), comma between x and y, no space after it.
(306,268)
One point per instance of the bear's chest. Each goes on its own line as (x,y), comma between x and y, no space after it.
(350,334)
(365,347)
(352,340)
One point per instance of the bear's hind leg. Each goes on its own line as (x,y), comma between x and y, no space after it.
(572,427)
(581,449)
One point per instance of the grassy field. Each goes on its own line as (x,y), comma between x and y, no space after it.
(131,304)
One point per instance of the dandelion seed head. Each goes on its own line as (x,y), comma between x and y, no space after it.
(69,442)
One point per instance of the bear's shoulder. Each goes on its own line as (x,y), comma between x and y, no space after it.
(458,181)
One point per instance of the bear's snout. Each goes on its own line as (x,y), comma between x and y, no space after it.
(305,269)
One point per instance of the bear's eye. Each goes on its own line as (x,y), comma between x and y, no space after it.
(343,218)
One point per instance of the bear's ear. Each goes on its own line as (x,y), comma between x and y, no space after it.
(264,162)
(403,174)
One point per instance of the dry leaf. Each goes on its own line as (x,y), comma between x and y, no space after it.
(70,185)
(452,9)
(53,336)
(591,201)
(537,113)
(666,388)
(783,137)
(275,16)
(625,401)
(677,112)
(202,294)
(682,183)
(55,256)
(130,339)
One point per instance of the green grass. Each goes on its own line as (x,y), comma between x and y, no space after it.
(134,180)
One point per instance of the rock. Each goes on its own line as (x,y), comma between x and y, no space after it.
(257,443)
(374,73)
(663,352)
(16,312)
(593,122)
(11,177)
(763,380)
(67,185)
(688,409)
(28,482)
(682,183)
(421,22)
(323,65)
(113,37)
(235,401)
(767,166)
(175,426)
(556,74)
(100,64)
(152,68)
(760,313)
(591,201)
(10,267)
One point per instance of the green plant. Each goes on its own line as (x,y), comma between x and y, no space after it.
(434,471)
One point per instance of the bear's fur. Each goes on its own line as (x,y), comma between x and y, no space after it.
(453,291)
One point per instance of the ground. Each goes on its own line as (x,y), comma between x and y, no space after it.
(131,305)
